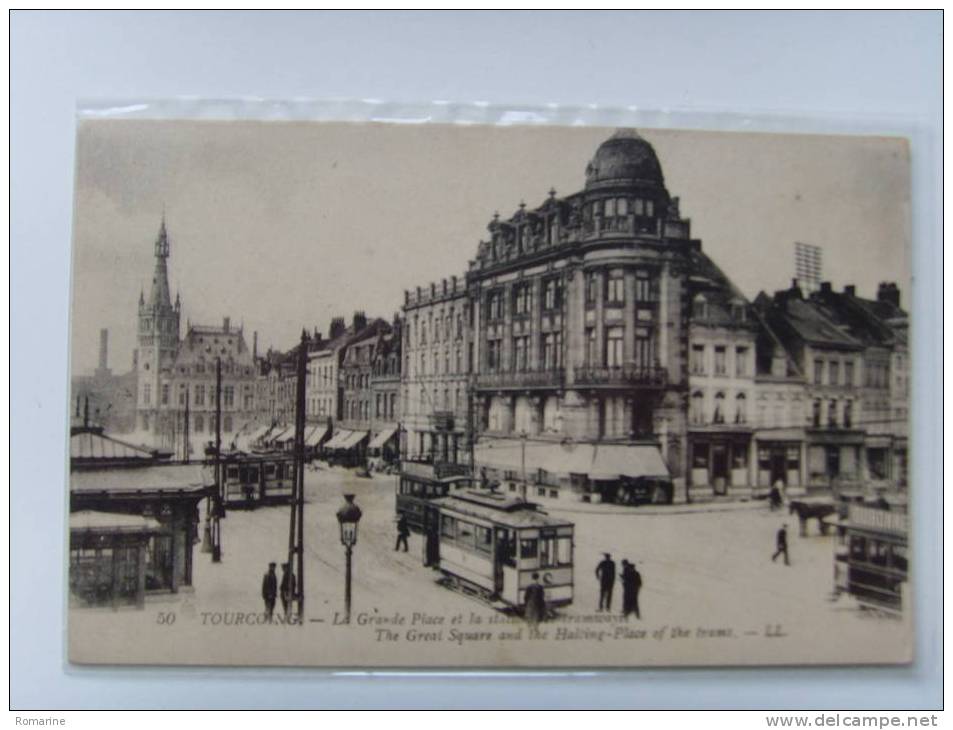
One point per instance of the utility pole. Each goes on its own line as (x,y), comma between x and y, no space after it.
(470,427)
(185,428)
(219,505)
(296,531)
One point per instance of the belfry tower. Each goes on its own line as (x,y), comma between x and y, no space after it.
(157,341)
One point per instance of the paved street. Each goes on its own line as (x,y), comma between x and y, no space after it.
(708,572)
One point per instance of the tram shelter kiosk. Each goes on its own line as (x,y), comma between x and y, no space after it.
(133,530)
(490,545)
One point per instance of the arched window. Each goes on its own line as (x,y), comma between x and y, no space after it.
(698,408)
(719,415)
(700,307)
(741,408)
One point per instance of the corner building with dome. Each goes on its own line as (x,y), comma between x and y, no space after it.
(582,309)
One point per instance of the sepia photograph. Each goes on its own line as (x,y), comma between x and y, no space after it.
(380,395)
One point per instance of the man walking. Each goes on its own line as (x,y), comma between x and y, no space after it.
(535,599)
(605,572)
(288,586)
(269,591)
(403,532)
(782,545)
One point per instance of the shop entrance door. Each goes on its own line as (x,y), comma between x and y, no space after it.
(719,468)
(778,471)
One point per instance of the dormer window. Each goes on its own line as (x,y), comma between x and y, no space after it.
(739,313)
(700,307)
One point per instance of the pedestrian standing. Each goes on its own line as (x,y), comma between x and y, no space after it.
(625,578)
(288,586)
(636,583)
(782,545)
(534,598)
(605,572)
(403,532)
(269,590)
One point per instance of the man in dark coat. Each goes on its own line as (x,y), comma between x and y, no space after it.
(605,572)
(628,595)
(288,586)
(782,545)
(403,532)
(635,582)
(535,600)
(269,590)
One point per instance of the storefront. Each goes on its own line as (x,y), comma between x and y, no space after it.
(719,463)
(834,460)
(779,461)
(383,448)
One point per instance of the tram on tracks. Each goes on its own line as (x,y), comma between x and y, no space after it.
(252,480)
(421,482)
(489,545)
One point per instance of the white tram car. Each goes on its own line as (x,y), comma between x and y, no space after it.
(489,545)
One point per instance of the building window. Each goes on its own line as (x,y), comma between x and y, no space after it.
(592,347)
(741,408)
(592,287)
(615,289)
(552,294)
(698,360)
(741,361)
(493,355)
(458,357)
(199,424)
(698,408)
(446,361)
(700,308)
(520,347)
(614,345)
(494,305)
(832,413)
(849,374)
(552,350)
(818,372)
(877,463)
(521,299)
(848,413)
(227,424)
(721,367)
(719,415)
(643,287)
(834,372)
(643,347)
(165,394)
(146,394)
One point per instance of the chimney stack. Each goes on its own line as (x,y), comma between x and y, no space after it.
(889,292)
(337,328)
(825,287)
(254,345)
(850,290)
(103,350)
(226,324)
(360,321)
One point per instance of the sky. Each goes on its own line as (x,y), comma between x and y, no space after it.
(282,225)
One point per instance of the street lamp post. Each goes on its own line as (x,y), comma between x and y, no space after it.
(348,517)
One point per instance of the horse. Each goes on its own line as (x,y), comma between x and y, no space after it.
(807,510)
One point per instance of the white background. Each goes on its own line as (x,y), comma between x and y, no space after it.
(818,71)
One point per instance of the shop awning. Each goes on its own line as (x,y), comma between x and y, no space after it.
(335,441)
(353,439)
(612,462)
(382,438)
(314,436)
(597,461)
(276,436)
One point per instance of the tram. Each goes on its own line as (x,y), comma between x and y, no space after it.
(421,482)
(489,545)
(871,563)
(251,480)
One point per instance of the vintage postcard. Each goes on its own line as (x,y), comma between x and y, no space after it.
(413,396)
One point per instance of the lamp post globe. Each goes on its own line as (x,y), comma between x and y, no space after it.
(348,517)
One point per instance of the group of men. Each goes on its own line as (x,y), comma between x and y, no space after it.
(631,581)
(271,589)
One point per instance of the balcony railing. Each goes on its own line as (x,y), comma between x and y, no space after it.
(516,380)
(623,375)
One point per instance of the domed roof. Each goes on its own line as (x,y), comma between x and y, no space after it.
(624,158)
